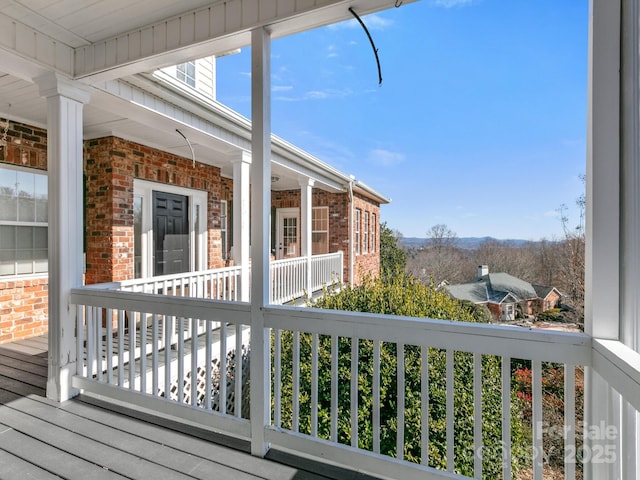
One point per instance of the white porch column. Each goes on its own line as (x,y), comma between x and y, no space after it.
(306,215)
(602,253)
(241,220)
(65,100)
(260,212)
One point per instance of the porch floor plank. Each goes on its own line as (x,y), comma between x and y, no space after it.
(21,364)
(15,467)
(43,456)
(88,438)
(6,351)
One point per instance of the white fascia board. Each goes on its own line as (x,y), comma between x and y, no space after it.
(138,100)
(214,29)
(369,192)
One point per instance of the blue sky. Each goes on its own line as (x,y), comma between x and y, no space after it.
(480,122)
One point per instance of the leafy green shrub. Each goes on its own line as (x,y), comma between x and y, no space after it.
(406,296)
(553,315)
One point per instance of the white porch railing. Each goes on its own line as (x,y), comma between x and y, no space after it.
(330,374)
(291,278)
(217,284)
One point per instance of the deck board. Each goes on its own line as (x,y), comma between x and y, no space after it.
(88,438)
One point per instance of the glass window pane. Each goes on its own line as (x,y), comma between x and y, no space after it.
(137,237)
(23,198)
(41,196)
(7,182)
(26,209)
(7,237)
(40,262)
(42,214)
(40,237)
(25,238)
(8,208)
(7,262)
(24,261)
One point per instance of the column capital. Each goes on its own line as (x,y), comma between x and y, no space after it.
(307,182)
(241,156)
(52,84)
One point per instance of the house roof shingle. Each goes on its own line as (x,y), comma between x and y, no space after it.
(496,287)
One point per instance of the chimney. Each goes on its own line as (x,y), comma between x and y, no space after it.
(483,270)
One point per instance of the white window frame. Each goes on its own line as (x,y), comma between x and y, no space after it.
(313,231)
(365,233)
(356,230)
(224,229)
(182,73)
(8,166)
(145,189)
(373,232)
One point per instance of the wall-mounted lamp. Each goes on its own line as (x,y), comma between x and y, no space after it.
(274,178)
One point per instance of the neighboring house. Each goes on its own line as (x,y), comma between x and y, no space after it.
(157,203)
(505,295)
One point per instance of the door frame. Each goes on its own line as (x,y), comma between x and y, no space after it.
(281,214)
(197,198)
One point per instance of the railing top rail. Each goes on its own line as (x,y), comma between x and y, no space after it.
(516,342)
(175,276)
(203,309)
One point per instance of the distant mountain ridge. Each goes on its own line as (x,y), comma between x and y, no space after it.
(467,243)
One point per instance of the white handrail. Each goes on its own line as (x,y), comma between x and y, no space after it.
(123,345)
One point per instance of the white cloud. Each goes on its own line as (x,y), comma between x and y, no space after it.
(386,158)
(452,3)
(373,22)
(317,95)
(552,214)
(282,88)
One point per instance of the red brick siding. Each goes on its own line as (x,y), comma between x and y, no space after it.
(367,263)
(112,164)
(23,308)
(496,311)
(24,303)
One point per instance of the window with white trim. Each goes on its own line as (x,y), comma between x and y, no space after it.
(320,230)
(365,233)
(23,221)
(186,72)
(356,230)
(374,224)
(224,229)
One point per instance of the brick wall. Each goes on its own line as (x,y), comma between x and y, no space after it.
(338,203)
(111,166)
(367,263)
(23,308)
(24,303)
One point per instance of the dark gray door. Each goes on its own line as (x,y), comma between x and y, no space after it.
(170,233)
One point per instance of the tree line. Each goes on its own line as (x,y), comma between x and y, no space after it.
(554,263)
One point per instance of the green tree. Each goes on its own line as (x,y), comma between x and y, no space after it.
(393,259)
(402,295)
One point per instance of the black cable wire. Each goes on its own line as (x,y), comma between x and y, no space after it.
(373,45)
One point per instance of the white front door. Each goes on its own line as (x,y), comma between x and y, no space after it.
(287,236)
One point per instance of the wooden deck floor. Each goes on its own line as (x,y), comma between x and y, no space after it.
(88,439)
